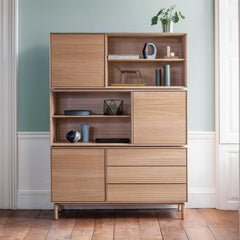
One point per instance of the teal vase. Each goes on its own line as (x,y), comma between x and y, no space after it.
(85,132)
(167,75)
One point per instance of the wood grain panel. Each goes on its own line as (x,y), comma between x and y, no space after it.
(147,70)
(93,101)
(77,175)
(146,175)
(146,193)
(134,44)
(160,117)
(146,156)
(99,128)
(77,60)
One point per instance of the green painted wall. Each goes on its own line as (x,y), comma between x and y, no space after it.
(39,17)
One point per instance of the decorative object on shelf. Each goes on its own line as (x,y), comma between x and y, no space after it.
(145,51)
(85,132)
(167,75)
(170,55)
(113,107)
(167,18)
(158,77)
(168,51)
(128,73)
(77,112)
(123,56)
(73,136)
(112,140)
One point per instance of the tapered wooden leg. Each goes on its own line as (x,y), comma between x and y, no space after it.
(55,211)
(179,207)
(182,210)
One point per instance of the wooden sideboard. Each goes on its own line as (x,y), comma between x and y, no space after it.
(152,168)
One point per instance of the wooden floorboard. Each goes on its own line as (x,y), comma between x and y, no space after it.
(104,226)
(5,215)
(199,224)
(84,226)
(223,224)
(18,226)
(195,226)
(171,225)
(149,226)
(127,225)
(63,228)
(41,226)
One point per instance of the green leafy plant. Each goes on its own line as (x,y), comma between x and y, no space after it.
(165,15)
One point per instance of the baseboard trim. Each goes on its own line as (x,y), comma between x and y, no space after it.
(34,164)
(40,199)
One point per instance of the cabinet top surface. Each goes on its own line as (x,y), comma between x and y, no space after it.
(127,89)
(128,34)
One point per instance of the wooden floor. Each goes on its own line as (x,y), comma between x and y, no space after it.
(201,224)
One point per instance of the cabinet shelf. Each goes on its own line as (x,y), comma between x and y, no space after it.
(147,60)
(88,144)
(91,116)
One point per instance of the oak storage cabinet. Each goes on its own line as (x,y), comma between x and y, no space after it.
(152,168)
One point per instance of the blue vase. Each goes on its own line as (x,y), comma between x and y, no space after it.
(85,132)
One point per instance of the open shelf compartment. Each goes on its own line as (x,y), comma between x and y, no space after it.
(134,44)
(101,126)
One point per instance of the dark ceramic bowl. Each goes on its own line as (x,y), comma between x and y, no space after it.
(78,112)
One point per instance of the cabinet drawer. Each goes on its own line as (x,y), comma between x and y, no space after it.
(147,157)
(139,193)
(146,174)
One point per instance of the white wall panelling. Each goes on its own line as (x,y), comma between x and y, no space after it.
(229,165)
(227,102)
(34,170)
(8,103)
(229,72)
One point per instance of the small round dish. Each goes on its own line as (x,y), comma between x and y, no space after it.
(78,112)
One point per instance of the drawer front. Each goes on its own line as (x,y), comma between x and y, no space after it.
(146,174)
(147,157)
(146,193)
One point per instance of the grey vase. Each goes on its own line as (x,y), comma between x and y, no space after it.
(85,132)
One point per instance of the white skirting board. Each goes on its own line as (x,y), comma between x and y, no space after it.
(34,171)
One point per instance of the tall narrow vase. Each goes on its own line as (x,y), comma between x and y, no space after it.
(158,77)
(167,76)
(85,132)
